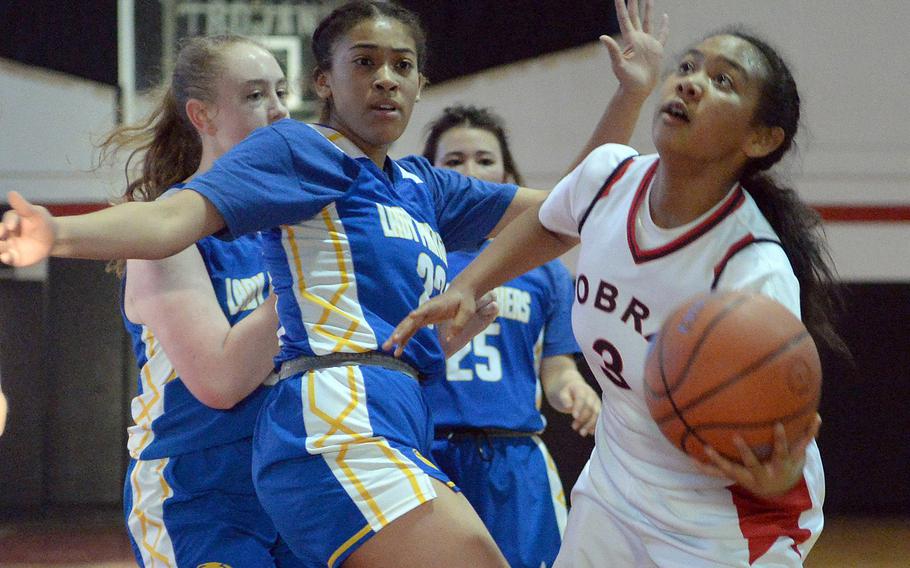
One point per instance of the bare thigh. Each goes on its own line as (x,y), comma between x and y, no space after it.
(444,532)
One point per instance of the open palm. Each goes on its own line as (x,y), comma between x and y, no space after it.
(636,63)
(27,233)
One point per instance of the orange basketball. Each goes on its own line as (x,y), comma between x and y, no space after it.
(732,362)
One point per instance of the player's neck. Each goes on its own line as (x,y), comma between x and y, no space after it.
(681,193)
(206,161)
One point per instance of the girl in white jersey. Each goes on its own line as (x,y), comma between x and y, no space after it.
(354,240)
(655,230)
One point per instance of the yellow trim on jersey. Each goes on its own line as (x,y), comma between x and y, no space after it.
(407,471)
(358,484)
(551,465)
(144,520)
(337,425)
(151,402)
(348,544)
(424,460)
(345,284)
(327,307)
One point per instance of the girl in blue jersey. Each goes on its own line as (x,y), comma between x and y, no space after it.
(487,412)
(202,345)
(353,241)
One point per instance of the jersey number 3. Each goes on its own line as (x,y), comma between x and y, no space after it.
(611,362)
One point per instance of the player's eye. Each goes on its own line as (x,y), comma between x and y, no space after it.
(685,68)
(724,81)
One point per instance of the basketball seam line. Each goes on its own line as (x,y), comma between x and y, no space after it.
(758,363)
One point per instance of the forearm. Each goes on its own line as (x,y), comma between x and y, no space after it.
(617,123)
(240,364)
(523,244)
(556,373)
(150,230)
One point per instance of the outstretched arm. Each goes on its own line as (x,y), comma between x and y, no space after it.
(636,64)
(152,230)
(219,364)
(522,245)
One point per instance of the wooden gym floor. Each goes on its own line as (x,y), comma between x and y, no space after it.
(96,539)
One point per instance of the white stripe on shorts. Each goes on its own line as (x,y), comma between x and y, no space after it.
(381,481)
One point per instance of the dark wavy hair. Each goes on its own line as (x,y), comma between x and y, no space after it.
(471,117)
(347,16)
(797,225)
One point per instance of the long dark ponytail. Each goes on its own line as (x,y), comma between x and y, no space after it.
(797,225)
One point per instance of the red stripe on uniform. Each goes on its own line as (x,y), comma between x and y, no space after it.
(864,214)
(614,177)
(64,209)
(763,521)
(641,255)
(737,246)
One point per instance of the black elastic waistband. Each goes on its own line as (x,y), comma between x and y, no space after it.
(373,358)
(465,433)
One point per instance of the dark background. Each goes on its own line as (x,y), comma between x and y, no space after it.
(81,38)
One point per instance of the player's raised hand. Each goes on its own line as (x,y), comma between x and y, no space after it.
(771,478)
(636,63)
(27,233)
(453,304)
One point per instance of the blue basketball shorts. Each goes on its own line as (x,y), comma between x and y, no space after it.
(200,509)
(513,484)
(338,454)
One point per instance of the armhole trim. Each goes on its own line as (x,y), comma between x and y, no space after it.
(734,249)
(606,187)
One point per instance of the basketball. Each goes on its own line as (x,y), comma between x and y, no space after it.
(732,363)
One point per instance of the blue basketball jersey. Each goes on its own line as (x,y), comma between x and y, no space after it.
(351,248)
(168,419)
(492,382)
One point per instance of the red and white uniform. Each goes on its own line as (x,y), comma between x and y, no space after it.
(640,501)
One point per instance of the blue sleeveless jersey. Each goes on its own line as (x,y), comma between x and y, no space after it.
(351,248)
(168,420)
(492,382)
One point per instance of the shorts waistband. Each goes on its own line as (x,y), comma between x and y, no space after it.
(312,363)
(466,433)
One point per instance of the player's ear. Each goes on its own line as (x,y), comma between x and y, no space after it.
(421,84)
(763,141)
(200,115)
(322,83)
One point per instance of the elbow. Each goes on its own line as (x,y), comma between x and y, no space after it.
(218,401)
(211,397)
